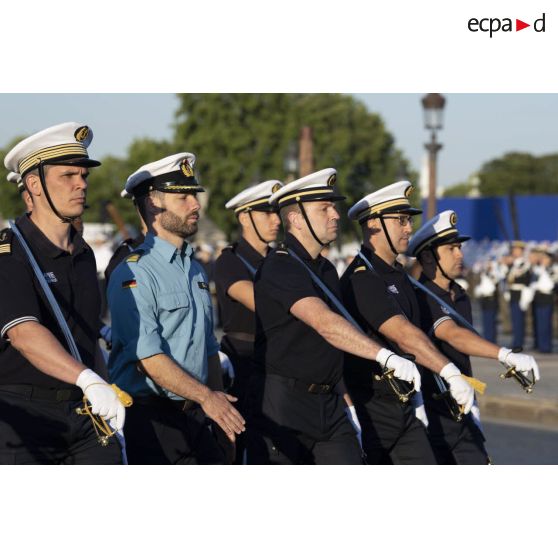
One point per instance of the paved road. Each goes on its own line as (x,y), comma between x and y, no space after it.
(511,443)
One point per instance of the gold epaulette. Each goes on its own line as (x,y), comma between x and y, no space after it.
(134,256)
(6,236)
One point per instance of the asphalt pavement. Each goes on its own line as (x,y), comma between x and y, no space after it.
(504,399)
(510,443)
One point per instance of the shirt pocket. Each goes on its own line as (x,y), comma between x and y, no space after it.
(174,311)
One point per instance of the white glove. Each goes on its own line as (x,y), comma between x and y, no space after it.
(103,399)
(459,388)
(420,411)
(544,283)
(353,419)
(226,365)
(507,296)
(485,287)
(526,297)
(402,368)
(522,362)
(475,415)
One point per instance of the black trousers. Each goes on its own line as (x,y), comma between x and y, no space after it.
(241,355)
(455,443)
(391,433)
(35,431)
(290,426)
(159,432)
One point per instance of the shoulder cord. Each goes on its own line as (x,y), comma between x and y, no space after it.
(250,267)
(48,293)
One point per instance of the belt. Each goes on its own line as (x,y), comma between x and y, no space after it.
(183,404)
(241,336)
(45,394)
(305,386)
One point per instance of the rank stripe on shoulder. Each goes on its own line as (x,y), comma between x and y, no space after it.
(360,268)
(6,236)
(134,256)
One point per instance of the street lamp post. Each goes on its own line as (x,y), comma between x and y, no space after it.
(433,105)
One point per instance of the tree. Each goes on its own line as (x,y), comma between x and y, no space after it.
(107,181)
(513,173)
(241,139)
(11,204)
(462,189)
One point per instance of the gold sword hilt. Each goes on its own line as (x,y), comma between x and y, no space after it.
(527,384)
(398,386)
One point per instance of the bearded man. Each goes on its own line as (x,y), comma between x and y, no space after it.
(164,350)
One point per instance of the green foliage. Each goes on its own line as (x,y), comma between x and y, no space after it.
(458,190)
(107,181)
(519,173)
(11,204)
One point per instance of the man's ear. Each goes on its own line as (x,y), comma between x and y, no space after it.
(373,225)
(154,204)
(33,184)
(297,219)
(427,257)
(243,218)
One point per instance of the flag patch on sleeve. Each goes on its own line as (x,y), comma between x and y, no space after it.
(131,284)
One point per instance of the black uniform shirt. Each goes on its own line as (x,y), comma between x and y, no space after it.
(73,281)
(285,345)
(516,279)
(372,298)
(124,250)
(432,315)
(229,269)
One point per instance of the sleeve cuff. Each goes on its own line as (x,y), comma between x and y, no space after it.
(148,347)
(438,322)
(15,322)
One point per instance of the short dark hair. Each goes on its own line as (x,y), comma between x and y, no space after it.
(284,212)
(141,203)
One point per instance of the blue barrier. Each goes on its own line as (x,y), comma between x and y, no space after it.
(490,218)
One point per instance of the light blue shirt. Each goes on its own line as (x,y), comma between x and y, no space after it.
(160,304)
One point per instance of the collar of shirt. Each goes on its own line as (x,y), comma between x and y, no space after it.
(167,250)
(293,243)
(458,292)
(249,252)
(380,265)
(40,241)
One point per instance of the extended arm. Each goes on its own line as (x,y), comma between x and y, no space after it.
(216,404)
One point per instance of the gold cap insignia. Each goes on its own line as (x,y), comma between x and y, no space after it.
(275,187)
(453,219)
(81,133)
(332,179)
(186,168)
(408,190)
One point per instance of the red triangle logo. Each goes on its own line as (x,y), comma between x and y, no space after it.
(519,25)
